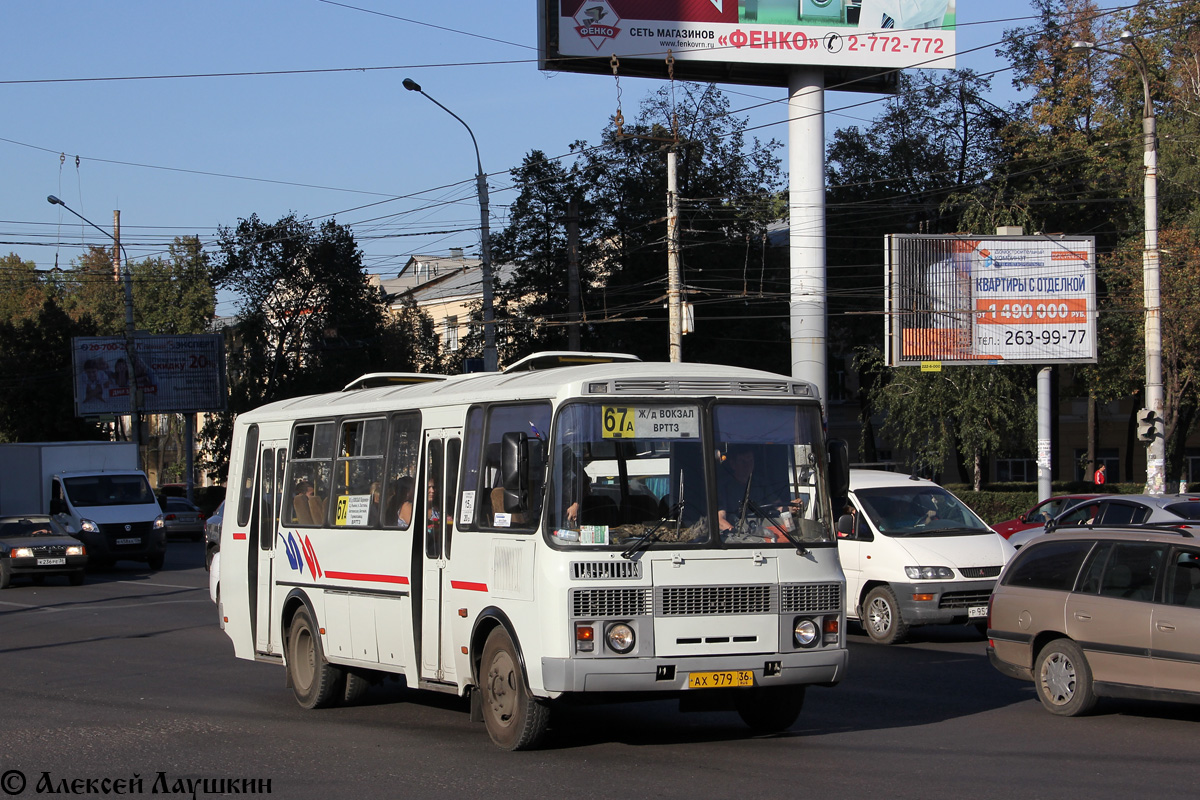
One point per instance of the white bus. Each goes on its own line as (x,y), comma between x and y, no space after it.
(448,530)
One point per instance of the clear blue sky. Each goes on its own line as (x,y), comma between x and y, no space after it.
(182,156)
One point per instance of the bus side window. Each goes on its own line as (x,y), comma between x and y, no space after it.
(400,493)
(452,452)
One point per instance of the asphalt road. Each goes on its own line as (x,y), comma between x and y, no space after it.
(128,675)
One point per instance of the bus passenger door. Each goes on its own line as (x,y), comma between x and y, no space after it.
(272,458)
(440,483)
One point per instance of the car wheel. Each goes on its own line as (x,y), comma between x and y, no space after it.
(1063,679)
(770,710)
(5,573)
(76,577)
(515,719)
(156,561)
(881,616)
(315,682)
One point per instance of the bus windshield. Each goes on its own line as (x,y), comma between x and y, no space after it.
(638,474)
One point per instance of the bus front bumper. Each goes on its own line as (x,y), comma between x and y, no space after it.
(825,667)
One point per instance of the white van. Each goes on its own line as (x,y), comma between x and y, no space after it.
(914,554)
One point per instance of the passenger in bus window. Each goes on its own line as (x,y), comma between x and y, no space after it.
(300,503)
(402,503)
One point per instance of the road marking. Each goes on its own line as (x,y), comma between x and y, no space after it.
(162,585)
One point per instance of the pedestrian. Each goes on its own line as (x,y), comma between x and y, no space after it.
(1098,478)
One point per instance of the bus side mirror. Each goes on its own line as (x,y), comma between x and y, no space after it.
(839,472)
(514,471)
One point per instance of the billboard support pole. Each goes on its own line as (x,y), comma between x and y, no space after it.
(806,207)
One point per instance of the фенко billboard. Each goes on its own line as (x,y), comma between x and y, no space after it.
(854,34)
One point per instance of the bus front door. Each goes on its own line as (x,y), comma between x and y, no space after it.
(272,458)
(441,476)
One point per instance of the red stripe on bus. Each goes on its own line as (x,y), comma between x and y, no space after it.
(239,536)
(471,587)
(361,576)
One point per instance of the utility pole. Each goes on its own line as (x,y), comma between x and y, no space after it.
(135,424)
(573,275)
(674,310)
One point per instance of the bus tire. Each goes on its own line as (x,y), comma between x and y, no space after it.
(315,682)
(356,687)
(770,710)
(515,719)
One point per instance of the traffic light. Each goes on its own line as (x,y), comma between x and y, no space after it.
(1146,426)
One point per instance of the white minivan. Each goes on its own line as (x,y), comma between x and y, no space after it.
(914,554)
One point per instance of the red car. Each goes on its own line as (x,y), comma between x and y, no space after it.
(1040,514)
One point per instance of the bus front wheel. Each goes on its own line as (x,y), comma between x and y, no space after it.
(771,710)
(315,682)
(515,719)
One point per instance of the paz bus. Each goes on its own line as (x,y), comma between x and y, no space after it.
(578,526)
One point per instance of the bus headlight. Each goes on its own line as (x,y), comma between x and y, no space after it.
(620,638)
(87,526)
(806,631)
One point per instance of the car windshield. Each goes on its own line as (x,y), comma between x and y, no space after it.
(109,490)
(919,510)
(29,527)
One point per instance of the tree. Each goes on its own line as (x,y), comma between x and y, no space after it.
(25,290)
(532,303)
(308,319)
(728,190)
(961,414)
(174,295)
(37,387)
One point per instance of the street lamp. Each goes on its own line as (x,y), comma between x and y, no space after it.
(490,361)
(126,279)
(1156,453)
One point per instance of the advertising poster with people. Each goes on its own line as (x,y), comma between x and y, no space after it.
(171,374)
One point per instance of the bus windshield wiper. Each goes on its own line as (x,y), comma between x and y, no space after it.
(674,514)
(777,522)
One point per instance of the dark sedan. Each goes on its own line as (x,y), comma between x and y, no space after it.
(37,546)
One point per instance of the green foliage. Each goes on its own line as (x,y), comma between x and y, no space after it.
(309,320)
(24,290)
(961,414)
(37,383)
(728,189)
(174,295)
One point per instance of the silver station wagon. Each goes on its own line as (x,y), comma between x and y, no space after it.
(1101,612)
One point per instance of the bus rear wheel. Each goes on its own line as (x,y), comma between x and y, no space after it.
(315,682)
(515,719)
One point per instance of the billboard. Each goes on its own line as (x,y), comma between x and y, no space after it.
(1006,299)
(749,41)
(173,374)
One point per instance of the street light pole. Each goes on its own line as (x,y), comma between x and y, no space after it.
(490,360)
(126,279)
(1156,451)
